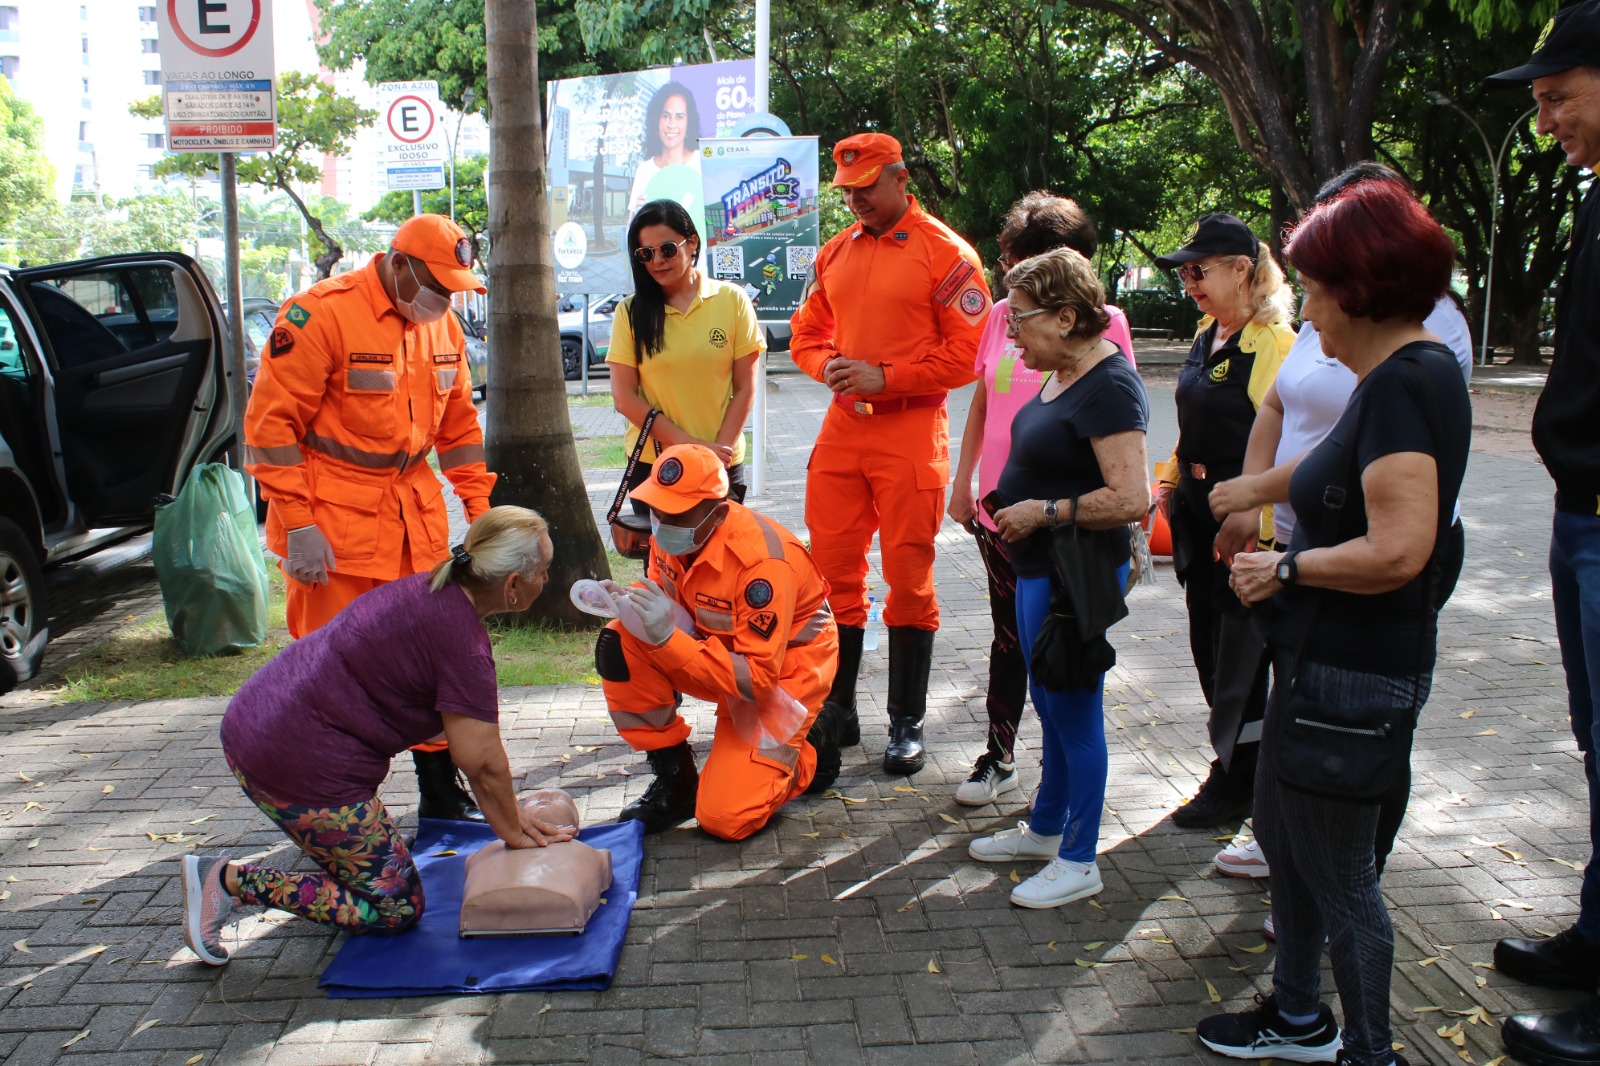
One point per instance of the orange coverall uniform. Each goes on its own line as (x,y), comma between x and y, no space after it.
(762,621)
(912,301)
(342,415)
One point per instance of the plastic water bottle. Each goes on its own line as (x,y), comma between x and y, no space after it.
(869,639)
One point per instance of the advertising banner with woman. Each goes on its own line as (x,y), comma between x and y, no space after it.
(763,222)
(618,141)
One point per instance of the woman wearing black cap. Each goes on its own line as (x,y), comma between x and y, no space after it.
(1242,341)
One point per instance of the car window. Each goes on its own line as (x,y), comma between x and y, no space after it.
(258,329)
(13,364)
(89,317)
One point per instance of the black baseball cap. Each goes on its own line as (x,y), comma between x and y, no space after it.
(1218,234)
(1571,39)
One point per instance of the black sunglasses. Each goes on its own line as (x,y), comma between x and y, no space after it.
(668,249)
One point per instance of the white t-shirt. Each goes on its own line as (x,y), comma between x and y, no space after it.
(1315,388)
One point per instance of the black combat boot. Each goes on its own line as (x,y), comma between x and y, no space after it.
(910,661)
(824,736)
(842,697)
(439,789)
(671,796)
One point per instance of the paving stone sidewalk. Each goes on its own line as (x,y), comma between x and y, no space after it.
(848,931)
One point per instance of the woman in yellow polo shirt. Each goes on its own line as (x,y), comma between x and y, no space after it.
(683,344)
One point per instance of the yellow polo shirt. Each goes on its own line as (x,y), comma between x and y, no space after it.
(690,379)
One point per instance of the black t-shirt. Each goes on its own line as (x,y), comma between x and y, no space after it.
(1392,633)
(1052,456)
(1566,431)
(1215,411)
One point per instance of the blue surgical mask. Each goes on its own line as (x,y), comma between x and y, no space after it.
(677,540)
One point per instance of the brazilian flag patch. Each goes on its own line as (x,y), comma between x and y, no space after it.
(298,315)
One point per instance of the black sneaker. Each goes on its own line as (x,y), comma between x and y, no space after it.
(1399,1059)
(989,778)
(1210,808)
(1260,1033)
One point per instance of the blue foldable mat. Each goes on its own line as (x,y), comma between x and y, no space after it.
(432,958)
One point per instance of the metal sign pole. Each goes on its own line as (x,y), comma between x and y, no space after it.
(416,201)
(235,285)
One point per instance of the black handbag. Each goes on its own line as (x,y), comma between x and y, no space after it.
(1352,752)
(630,533)
(1086,599)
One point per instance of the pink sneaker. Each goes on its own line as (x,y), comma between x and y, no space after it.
(206,905)
(1242,860)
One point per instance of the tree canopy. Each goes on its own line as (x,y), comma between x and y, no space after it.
(26,176)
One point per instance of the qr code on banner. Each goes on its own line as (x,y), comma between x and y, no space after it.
(728,261)
(801,256)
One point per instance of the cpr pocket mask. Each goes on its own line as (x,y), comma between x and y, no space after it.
(593,597)
(772,721)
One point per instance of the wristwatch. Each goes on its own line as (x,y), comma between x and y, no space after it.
(1051,514)
(1288,572)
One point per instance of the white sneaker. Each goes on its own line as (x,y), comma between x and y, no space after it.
(1058,884)
(1267,930)
(1242,860)
(1019,843)
(989,778)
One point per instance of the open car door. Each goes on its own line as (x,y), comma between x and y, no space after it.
(135,346)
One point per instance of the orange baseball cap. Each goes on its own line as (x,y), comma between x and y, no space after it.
(861,157)
(683,475)
(442,245)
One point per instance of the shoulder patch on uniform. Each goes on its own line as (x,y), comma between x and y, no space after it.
(1219,373)
(714,602)
(758,593)
(763,624)
(298,315)
(950,287)
(282,341)
(972,302)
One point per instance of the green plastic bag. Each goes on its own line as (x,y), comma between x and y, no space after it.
(208,562)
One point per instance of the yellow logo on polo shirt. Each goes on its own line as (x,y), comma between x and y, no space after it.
(1219,373)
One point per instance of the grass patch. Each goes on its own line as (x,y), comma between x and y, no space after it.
(143,662)
(601,453)
(594,399)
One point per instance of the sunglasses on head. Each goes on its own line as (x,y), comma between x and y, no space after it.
(668,249)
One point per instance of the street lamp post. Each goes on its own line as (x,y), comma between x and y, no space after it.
(468,95)
(1496,159)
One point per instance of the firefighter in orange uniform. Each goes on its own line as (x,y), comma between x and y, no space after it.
(763,637)
(366,375)
(891,325)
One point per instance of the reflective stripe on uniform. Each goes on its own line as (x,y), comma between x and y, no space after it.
(814,626)
(658,718)
(447,378)
(451,458)
(334,449)
(282,455)
(741,677)
(366,379)
(783,753)
(710,619)
(769,533)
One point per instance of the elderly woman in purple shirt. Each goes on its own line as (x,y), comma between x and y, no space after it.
(310,737)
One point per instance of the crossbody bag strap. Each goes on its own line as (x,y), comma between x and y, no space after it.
(633,460)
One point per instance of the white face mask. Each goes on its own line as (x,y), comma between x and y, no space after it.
(677,540)
(427,306)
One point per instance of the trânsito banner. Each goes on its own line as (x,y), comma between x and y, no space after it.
(617,141)
(762,216)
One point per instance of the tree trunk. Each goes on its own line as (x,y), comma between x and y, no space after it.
(1523,321)
(332,250)
(529,439)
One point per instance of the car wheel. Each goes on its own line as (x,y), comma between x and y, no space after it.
(570,349)
(23,629)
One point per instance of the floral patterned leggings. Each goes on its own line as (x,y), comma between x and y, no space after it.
(370,884)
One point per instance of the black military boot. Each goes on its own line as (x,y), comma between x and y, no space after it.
(439,789)
(671,796)
(842,697)
(824,736)
(910,661)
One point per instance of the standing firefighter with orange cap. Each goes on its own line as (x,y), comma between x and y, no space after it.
(753,634)
(891,325)
(366,375)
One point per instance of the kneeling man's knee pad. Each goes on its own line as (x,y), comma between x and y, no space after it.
(608,657)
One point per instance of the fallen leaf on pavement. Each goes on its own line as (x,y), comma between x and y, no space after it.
(107,790)
(829,959)
(1092,946)
(194,1060)
(1015,879)
(1568,863)
(1211,991)
(22,946)
(933,967)
(75,1039)
(949,819)
(1258,949)
(1172,899)
(145,1025)
(1429,961)
(799,958)
(906,788)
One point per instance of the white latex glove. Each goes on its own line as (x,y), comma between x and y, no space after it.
(654,608)
(310,556)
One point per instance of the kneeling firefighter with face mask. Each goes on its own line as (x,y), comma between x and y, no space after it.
(763,648)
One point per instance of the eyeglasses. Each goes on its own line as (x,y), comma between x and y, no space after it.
(1194,273)
(1014,321)
(668,249)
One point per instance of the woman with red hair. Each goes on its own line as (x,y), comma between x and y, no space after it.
(1356,635)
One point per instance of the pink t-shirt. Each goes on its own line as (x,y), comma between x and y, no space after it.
(1008,385)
